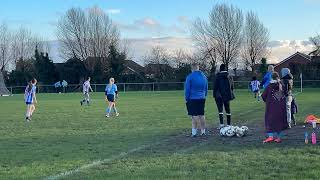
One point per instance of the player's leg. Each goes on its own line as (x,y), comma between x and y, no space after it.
(84,99)
(32,109)
(28,112)
(220,110)
(194,126)
(258,94)
(108,110)
(202,120)
(115,109)
(228,112)
(88,99)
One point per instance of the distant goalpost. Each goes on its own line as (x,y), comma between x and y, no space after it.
(3,89)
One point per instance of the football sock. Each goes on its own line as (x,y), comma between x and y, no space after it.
(203,131)
(270,134)
(108,110)
(221,118)
(115,109)
(28,114)
(229,119)
(194,131)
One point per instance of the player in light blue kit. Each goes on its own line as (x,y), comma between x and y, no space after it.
(111,93)
(30,98)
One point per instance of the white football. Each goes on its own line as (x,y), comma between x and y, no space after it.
(223,131)
(245,128)
(231,131)
(240,132)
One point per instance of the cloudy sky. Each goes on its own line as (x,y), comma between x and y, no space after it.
(291,22)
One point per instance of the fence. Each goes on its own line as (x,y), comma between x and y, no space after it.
(153,86)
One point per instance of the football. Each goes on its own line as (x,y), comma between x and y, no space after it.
(231,131)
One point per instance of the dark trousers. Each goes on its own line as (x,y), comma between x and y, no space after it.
(226,105)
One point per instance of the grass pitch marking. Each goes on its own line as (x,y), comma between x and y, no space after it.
(97,163)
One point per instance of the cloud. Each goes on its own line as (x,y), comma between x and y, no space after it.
(183,19)
(148,23)
(312,1)
(282,49)
(153,26)
(113,11)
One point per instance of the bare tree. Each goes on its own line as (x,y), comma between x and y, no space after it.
(158,62)
(222,34)
(157,55)
(316,43)
(181,57)
(256,38)
(24,43)
(5,38)
(86,33)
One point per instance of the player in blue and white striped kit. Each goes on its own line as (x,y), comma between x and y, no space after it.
(30,98)
(111,93)
(255,87)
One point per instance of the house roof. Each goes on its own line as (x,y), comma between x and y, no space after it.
(133,66)
(293,55)
(151,68)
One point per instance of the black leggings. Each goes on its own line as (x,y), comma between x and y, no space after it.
(226,104)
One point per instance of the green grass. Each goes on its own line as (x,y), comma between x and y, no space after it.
(64,136)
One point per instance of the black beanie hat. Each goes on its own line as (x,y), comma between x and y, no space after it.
(222,67)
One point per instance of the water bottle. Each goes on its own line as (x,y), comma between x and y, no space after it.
(314,138)
(306,141)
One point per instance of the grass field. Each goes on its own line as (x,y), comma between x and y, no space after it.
(148,141)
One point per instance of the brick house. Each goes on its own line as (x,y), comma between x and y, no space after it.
(296,59)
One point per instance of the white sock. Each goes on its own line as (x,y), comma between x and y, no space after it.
(194,131)
(203,131)
(28,114)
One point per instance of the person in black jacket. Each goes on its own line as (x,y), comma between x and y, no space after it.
(223,93)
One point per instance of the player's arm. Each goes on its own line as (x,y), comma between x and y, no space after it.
(231,82)
(90,88)
(206,86)
(34,96)
(187,89)
(116,91)
(265,94)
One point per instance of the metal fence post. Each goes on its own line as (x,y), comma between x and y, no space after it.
(11,90)
(153,86)
(95,88)
(124,87)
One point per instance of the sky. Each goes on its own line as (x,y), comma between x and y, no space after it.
(287,20)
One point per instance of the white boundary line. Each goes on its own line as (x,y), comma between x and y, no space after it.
(99,162)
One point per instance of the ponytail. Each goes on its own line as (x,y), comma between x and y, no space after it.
(31,83)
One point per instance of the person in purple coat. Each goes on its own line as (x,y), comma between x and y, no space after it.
(275,114)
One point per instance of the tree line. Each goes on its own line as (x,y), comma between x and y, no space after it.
(91,44)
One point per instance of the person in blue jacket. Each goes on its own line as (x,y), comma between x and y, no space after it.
(196,90)
(267,77)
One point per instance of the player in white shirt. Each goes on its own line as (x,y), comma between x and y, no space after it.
(255,87)
(86,88)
